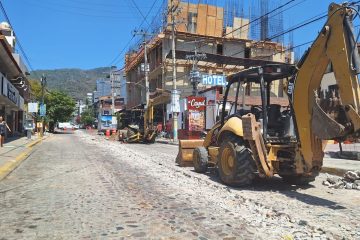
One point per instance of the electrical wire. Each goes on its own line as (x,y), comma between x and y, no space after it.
(78,13)
(296,27)
(116,59)
(17,39)
(259,18)
(87,2)
(138,9)
(82,8)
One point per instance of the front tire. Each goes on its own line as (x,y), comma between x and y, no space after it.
(200,159)
(236,163)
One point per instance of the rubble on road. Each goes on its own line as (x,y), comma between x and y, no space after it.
(351,180)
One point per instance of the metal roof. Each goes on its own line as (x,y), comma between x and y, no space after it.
(271,72)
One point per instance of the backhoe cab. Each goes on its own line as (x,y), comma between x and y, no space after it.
(286,140)
(258,140)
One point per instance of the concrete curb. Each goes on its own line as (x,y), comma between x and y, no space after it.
(167,142)
(11,165)
(334,171)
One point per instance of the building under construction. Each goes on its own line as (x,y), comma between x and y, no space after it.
(219,35)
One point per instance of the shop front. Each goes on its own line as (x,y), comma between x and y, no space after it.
(11,106)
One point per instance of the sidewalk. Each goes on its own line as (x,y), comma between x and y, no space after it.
(339,167)
(14,151)
(167,141)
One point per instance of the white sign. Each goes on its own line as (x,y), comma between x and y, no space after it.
(114,120)
(21,103)
(175,101)
(33,107)
(214,80)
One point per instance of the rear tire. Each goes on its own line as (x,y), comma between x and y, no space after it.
(200,159)
(236,163)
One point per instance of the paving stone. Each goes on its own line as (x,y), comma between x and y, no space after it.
(86,188)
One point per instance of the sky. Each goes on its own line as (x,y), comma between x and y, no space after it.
(91,33)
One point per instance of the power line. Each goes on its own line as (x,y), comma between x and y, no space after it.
(87,2)
(259,18)
(297,26)
(116,59)
(83,8)
(18,40)
(77,13)
(138,9)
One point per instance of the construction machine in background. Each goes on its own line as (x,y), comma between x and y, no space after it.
(137,125)
(270,139)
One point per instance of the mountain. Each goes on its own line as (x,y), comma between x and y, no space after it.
(75,82)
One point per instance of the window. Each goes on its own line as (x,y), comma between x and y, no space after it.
(247,52)
(219,49)
(192,25)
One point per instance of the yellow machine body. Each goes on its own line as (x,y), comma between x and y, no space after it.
(303,154)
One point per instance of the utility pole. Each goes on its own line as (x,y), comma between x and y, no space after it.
(43,84)
(174,93)
(195,74)
(146,65)
(112,90)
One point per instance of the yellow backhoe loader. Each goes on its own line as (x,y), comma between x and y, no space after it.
(270,139)
(139,125)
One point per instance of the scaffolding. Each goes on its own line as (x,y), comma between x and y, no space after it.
(244,19)
(265,25)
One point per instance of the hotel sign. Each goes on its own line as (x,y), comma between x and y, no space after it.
(214,80)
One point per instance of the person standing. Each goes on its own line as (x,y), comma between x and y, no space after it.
(3,124)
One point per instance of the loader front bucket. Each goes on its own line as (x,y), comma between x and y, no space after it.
(186,149)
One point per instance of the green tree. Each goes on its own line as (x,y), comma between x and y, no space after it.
(59,107)
(87,116)
(35,87)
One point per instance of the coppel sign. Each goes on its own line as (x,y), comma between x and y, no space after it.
(214,80)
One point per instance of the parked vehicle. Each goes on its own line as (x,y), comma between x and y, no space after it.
(65,125)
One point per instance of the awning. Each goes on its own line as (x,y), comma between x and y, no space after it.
(161,99)
(8,64)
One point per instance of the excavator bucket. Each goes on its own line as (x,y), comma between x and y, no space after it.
(324,127)
(186,149)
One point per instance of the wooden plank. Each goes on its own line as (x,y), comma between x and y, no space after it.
(219,24)
(193,8)
(202,18)
(245,30)
(183,17)
(219,28)
(210,26)
(229,33)
(211,11)
(220,13)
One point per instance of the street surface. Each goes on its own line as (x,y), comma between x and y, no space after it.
(81,186)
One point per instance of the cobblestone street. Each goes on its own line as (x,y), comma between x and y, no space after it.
(90,188)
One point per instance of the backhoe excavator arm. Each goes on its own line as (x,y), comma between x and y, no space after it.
(336,45)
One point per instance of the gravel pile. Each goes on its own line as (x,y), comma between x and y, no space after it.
(351,180)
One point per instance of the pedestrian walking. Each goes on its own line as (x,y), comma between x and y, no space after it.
(168,128)
(3,124)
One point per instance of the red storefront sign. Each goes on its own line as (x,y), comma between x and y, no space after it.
(196,103)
